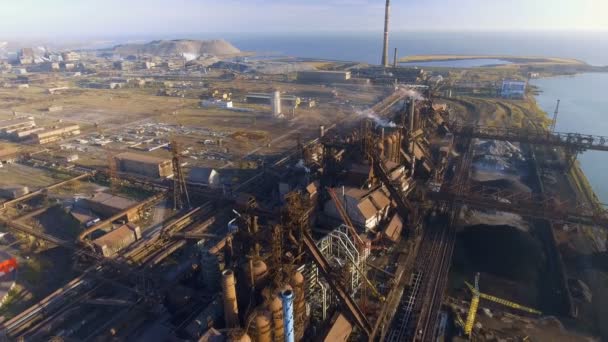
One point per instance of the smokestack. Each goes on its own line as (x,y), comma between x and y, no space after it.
(385,49)
(276,103)
(395,59)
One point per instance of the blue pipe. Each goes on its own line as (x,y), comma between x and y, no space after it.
(287,299)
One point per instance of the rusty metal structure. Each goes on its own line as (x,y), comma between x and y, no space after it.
(181,199)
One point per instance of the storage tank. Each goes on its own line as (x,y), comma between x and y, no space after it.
(275,305)
(396,147)
(287,299)
(297,282)
(388,147)
(259,274)
(262,323)
(381,149)
(231,311)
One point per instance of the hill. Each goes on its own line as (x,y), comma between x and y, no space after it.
(178,47)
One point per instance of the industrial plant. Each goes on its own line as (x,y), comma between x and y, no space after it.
(181,191)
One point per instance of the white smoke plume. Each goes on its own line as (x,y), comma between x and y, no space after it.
(411,93)
(189,56)
(381,122)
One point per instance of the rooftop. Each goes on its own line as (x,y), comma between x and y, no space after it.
(117,235)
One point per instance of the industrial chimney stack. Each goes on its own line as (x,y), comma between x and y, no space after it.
(385,48)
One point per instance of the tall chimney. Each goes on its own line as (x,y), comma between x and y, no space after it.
(385,49)
(395,59)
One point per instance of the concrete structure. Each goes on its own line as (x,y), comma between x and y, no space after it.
(70,56)
(55,134)
(205,176)
(286,100)
(387,12)
(513,89)
(148,166)
(107,205)
(365,209)
(323,76)
(217,103)
(13,128)
(116,240)
(276,103)
(13,191)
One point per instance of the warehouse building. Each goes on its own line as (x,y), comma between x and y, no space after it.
(323,76)
(107,205)
(513,89)
(148,166)
(12,128)
(55,134)
(116,240)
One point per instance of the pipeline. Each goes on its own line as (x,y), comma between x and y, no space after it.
(287,299)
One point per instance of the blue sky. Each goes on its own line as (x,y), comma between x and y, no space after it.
(80,18)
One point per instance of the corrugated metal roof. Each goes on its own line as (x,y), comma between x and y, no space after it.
(113,201)
(393,230)
(367,208)
(380,200)
(117,236)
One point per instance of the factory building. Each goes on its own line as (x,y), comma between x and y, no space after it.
(323,76)
(55,134)
(148,166)
(111,243)
(11,129)
(365,208)
(107,205)
(513,89)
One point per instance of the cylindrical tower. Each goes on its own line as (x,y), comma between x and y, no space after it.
(276,308)
(256,271)
(396,146)
(276,103)
(388,150)
(231,311)
(297,281)
(287,299)
(387,12)
(210,271)
(263,330)
(321,131)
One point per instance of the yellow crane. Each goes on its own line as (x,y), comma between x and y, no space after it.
(477,295)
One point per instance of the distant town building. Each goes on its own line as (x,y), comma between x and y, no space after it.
(148,166)
(70,56)
(513,89)
(26,56)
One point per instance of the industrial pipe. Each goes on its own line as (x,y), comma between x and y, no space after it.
(287,299)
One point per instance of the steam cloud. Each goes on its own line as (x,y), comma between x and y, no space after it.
(381,122)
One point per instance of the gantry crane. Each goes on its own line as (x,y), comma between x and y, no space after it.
(477,295)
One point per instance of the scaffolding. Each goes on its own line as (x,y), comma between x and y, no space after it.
(340,250)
